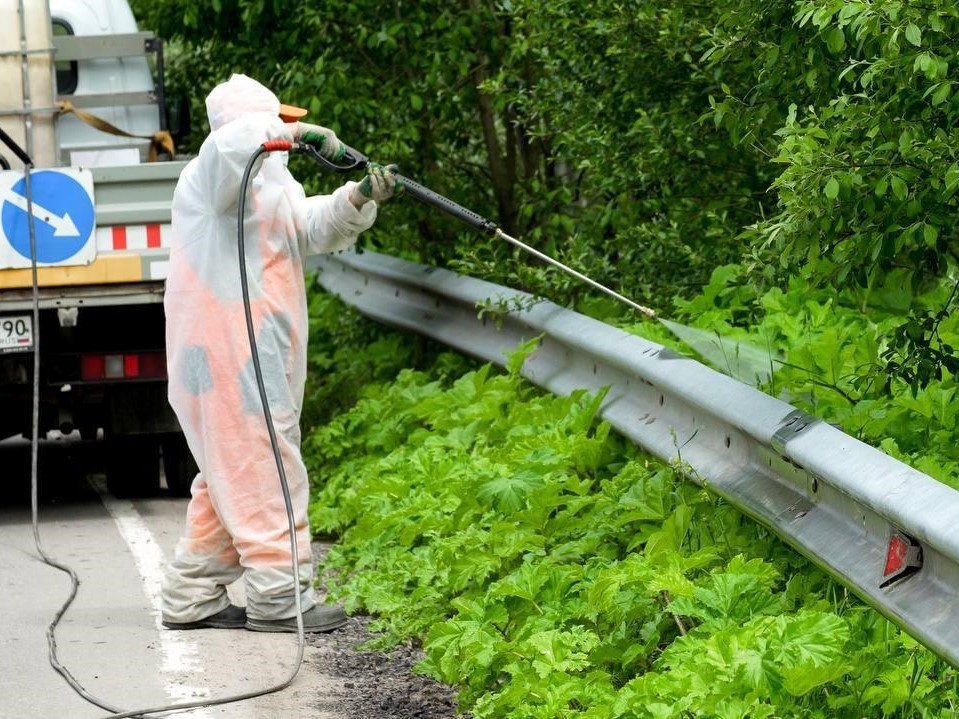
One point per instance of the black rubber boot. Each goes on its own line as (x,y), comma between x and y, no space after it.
(232,617)
(321,618)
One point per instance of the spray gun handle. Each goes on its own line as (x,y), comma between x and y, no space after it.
(353,159)
(428,197)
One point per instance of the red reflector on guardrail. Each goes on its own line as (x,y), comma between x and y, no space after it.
(903,558)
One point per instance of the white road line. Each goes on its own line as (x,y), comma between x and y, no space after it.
(181,659)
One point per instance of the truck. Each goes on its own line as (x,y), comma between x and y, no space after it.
(82,93)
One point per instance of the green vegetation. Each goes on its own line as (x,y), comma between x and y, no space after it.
(777,171)
(551,570)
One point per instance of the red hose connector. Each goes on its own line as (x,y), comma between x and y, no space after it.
(277,145)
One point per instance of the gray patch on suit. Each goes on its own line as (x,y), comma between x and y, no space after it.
(273,348)
(195,370)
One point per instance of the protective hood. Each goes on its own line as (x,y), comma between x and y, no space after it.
(236,97)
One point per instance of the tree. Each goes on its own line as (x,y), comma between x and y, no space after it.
(644,143)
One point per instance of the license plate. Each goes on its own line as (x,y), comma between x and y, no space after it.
(16,333)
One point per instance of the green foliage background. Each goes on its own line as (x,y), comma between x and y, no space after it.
(645,143)
(782,172)
(778,171)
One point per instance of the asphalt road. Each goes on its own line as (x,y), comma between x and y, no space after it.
(110,639)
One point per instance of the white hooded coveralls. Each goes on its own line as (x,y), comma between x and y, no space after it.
(236,521)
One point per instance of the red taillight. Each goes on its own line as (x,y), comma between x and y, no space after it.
(153,364)
(131,365)
(92,367)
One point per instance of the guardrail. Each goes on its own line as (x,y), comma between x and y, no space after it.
(885,530)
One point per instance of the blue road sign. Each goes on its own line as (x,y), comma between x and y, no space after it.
(64,218)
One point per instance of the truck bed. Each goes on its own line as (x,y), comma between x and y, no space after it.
(132,205)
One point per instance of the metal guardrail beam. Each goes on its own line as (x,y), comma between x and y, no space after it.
(833,498)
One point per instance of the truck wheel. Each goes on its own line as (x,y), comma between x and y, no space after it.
(178,465)
(133,467)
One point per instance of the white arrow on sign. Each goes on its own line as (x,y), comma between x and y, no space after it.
(62,226)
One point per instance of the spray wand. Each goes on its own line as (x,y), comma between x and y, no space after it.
(355,160)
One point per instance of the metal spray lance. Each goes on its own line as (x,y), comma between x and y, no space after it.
(355,160)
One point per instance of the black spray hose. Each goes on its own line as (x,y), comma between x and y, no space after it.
(52,653)
(356,160)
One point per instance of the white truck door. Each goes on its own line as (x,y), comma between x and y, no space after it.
(105,76)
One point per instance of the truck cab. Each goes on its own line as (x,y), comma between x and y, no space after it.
(81,93)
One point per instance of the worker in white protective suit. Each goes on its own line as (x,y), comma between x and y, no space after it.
(237,522)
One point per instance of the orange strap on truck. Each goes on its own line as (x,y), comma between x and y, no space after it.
(160,140)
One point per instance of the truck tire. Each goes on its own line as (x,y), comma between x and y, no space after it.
(178,465)
(133,467)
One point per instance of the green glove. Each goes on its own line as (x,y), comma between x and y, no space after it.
(379,185)
(323,139)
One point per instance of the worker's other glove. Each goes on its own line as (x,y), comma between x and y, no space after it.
(322,138)
(379,185)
